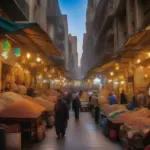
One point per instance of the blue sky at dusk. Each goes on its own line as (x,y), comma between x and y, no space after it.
(76,13)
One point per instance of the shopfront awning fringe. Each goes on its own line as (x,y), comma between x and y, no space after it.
(31,31)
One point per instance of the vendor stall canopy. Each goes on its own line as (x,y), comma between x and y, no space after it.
(136,44)
(32,31)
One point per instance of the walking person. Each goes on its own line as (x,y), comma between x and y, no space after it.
(76,106)
(112,99)
(96,108)
(61,117)
(123,98)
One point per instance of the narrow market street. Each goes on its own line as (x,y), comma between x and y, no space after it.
(82,135)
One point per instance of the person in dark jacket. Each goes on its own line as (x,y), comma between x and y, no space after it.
(7,88)
(76,106)
(68,99)
(30,92)
(61,117)
(112,99)
(123,98)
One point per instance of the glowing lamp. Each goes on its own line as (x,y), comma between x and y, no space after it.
(138,61)
(28,55)
(110,81)
(146,76)
(122,82)
(111,73)
(38,59)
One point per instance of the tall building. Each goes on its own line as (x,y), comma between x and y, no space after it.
(66,40)
(109,25)
(88,56)
(73,56)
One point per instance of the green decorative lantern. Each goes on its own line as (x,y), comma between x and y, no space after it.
(17,52)
(6,49)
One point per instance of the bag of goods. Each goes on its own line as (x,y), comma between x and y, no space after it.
(45,103)
(113,135)
(2,105)
(20,109)
(10,98)
(51,93)
(122,117)
(111,108)
(102,100)
(22,89)
(14,87)
(52,99)
(116,113)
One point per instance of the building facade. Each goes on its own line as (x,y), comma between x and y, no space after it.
(88,57)
(47,14)
(73,56)
(110,23)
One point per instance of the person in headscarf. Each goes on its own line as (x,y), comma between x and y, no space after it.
(112,99)
(76,105)
(123,98)
(61,117)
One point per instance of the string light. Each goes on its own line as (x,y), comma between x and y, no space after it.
(38,59)
(110,81)
(149,54)
(111,73)
(146,76)
(49,75)
(28,55)
(122,82)
(138,60)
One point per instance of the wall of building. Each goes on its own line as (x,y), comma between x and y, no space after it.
(37,12)
(73,55)
(66,55)
(109,24)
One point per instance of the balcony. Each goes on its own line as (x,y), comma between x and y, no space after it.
(17,10)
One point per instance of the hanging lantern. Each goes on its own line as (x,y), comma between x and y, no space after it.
(17,52)
(38,59)
(6,49)
(28,55)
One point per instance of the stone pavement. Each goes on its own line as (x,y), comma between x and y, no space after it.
(81,135)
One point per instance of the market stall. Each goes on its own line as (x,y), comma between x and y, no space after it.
(27,114)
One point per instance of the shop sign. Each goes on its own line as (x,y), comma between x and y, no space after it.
(6,49)
(17,52)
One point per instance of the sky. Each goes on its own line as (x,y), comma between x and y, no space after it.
(76,13)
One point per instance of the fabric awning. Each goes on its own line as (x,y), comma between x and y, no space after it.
(29,32)
(8,26)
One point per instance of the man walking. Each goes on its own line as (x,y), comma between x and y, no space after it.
(76,106)
(61,117)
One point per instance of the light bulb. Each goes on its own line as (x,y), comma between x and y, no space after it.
(111,73)
(28,55)
(109,81)
(138,61)
(38,59)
